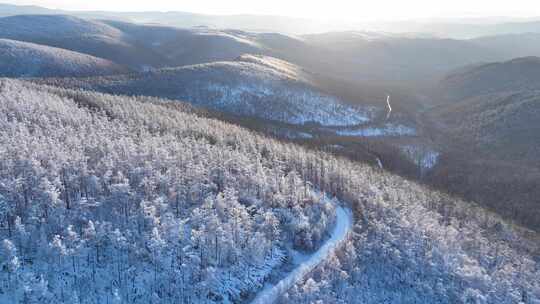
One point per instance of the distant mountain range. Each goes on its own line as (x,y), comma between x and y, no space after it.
(263,23)
(141,47)
(462,28)
(357,57)
(465,28)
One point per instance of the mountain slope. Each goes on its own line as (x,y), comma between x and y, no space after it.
(502,124)
(494,107)
(512,45)
(488,119)
(145,47)
(81,35)
(255,86)
(157,188)
(514,75)
(139,46)
(22,59)
(48,27)
(357,57)
(396,58)
(190,46)
(135,200)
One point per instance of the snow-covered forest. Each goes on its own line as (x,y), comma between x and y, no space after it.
(111,199)
(107,199)
(252,86)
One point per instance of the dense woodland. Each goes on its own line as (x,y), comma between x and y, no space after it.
(106,198)
(110,199)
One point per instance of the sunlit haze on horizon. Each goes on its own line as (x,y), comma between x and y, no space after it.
(382,10)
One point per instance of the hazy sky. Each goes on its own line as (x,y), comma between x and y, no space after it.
(351,10)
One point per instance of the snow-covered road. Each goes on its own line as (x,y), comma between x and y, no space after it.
(343,225)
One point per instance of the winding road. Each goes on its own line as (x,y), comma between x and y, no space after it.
(344,224)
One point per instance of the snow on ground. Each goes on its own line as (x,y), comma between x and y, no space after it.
(424,157)
(389,129)
(336,147)
(227,35)
(23,59)
(287,68)
(262,87)
(343,225)
(278,102)
(253,277)
(292,134)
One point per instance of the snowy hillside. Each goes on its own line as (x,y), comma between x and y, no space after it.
(136,200)
(141,203)
(42,27)
(388,129)
(22,59)
(254,86)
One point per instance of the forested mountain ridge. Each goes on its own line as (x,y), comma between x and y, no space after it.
(488,116)
(85,36)
(512,45)
(394,58)
(188,46)
(494,106)
(518,74)
(45,27)
(505,123)
(134,200)
(253,86)
(139,46)
(22,59)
